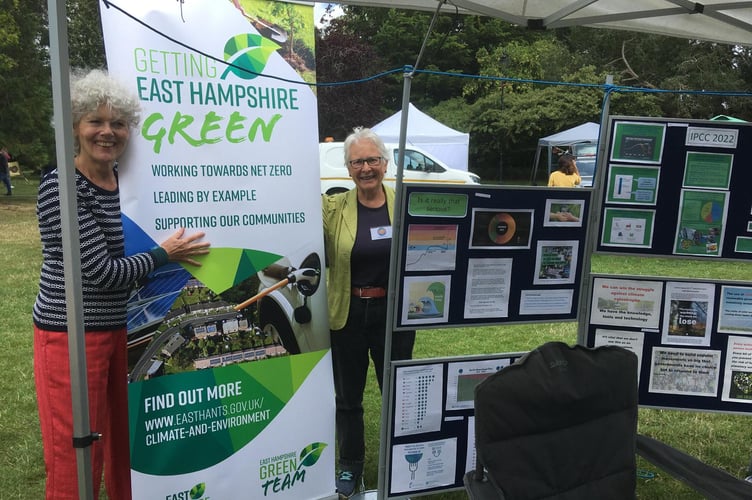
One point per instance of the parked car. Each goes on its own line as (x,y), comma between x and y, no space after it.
(285,311)
(419,166)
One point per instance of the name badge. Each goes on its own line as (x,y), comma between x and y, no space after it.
(381,233)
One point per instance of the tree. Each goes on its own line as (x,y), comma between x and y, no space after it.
(506,118)
(25,92)
(660,62)
(343,58)
(25,88)
(451,47)
(85,40)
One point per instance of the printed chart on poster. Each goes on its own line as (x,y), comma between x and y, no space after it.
(693,338)
(463,247)
(432,437)
(687,177)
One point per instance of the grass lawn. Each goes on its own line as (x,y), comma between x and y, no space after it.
(21,466)
(722,440)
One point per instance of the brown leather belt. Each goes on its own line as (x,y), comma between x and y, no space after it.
(369,292)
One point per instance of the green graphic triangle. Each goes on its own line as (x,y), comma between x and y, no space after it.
(303,365)
(224,268)
(298,366)
(252,261)
(248,52)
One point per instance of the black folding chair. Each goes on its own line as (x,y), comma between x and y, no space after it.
(561,423)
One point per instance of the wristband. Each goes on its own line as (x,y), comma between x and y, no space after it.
(160,256)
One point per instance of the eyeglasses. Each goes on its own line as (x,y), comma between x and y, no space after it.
(372,161)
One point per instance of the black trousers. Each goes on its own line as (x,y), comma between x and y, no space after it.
(5,179)
(363,335)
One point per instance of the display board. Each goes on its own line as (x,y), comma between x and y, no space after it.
(490,254)
(432,423)
(687,177)
(693,338)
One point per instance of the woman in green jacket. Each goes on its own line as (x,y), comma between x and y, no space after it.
(358,239)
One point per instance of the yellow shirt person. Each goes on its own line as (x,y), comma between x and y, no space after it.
(567,175)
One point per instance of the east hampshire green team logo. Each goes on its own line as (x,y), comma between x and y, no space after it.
(281,472)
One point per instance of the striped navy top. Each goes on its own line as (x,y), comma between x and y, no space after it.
(106,273)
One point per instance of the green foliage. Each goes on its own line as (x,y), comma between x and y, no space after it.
(506,118)
(455,113)
(11,38)
(295,26)
(542,59)
(344,57)
(85,40)
(25,88)
(25,94)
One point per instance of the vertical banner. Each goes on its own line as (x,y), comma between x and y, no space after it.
(225,357)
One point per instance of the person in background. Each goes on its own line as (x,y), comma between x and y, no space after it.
(5,171)
(358,240)
(103,113)
(567,174)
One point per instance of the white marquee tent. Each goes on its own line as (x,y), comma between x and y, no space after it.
(447,144)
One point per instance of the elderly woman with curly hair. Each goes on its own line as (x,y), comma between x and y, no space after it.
(104,112)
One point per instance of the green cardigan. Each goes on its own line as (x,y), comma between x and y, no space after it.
(340,215)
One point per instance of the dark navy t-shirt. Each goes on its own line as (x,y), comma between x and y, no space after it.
(370,254)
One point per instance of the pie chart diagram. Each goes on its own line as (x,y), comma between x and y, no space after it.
(501,228)
(710,212)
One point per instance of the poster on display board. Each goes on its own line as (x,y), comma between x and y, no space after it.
(431,436)
(687,177)
(692,338)
(487,255)
(226,356)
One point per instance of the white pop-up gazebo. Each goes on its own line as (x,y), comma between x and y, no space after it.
(586,132)
(448,145)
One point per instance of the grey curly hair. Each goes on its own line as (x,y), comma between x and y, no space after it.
(93,88)
(364,134)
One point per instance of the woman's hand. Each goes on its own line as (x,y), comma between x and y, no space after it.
(180,249)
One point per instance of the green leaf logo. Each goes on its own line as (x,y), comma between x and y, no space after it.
(198,491)
(311,454)
(248,55)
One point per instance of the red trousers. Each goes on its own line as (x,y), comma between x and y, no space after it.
(107,371)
